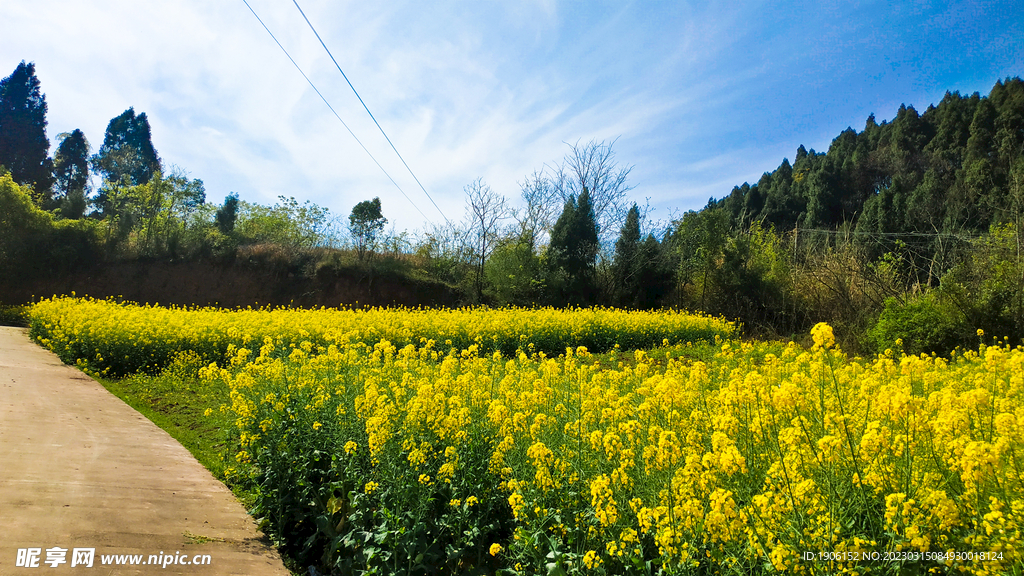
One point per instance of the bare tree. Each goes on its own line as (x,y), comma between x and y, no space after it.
(446,240)
(485,210)
(542,206)
(443,250)
(593,166)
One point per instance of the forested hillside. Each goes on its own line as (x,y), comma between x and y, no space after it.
(958,168)
(908,230)
(886,215)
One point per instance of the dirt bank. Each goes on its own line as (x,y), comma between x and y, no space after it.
(236,284)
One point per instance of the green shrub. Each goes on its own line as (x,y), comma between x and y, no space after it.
(923,324)
(989,286)
(33,244)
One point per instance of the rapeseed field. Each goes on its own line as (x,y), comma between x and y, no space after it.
(385,449)
(124,338)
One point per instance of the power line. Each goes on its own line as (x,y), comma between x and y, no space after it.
(368,110)
(336,115)
(964,237)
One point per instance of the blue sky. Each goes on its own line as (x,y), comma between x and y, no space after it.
(698,97)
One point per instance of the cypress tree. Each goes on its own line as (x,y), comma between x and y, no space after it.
(625,265)
(227,214)
(71,172)
(127,151)
(23,143)
(586,240)
(573,251)
(653,278)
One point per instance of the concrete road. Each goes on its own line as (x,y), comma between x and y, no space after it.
(81,469)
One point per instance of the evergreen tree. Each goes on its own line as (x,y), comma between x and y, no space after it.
(783,204)
(587,231)
(127,152)
(947,170)
(653,274)
(23,142)
(825,198)
(982,132)
(1008,99)
(558,254)
(227,214)
(625,281)
(974,199)
(753,203)
(573,251)
(71,172)
(591,169)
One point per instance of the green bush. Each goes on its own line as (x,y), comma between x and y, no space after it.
(989,286)
(923,324)
(33,244)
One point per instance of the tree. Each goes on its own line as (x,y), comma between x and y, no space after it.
(23,142)
(697,243)
(640,276)
(183,197)
(514,272)
(653,276)
(573,250)
(542,201)
(624,267)
(591,168)
(71,172)
(227,214)
(443,247)
(365,223)
(485,209)
(287,224)
(782,204)
(22,228)
(127,151)
(33,244)
(151,219)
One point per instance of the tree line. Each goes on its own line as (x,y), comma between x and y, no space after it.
(912,226)
(908,229)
